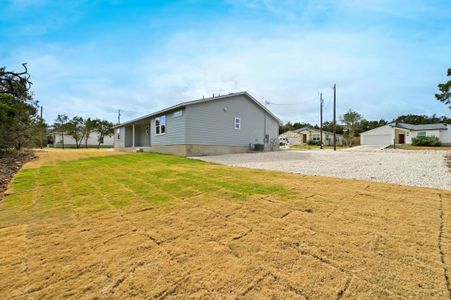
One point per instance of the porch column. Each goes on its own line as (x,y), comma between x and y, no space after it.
(133,139)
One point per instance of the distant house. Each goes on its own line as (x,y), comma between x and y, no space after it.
(231,123)
(55,140)
(303,135)
(403,133)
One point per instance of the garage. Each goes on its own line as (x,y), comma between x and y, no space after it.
(381,139)
(378,136)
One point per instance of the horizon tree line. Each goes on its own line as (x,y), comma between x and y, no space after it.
(80,129)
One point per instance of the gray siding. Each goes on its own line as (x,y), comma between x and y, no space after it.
(142,138)
(128,136)
(175,131)
(212,123)
(119,143)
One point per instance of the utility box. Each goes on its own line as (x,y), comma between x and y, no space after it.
(259,147)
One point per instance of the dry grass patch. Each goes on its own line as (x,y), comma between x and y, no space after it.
(156,226)
(53,156)
(410,147)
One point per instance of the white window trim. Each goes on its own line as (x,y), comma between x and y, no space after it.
(235,123)
(177,114)
(425,133)
(165,125)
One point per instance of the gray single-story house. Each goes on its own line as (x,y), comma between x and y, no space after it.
(231,123)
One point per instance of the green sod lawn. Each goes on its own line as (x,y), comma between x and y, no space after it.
(95,184)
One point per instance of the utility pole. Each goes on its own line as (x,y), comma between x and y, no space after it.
(119,116)
(321,119)
(335,118)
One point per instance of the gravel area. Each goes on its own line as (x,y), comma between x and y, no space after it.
(416,168)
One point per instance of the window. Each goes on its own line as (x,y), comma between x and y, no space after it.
(178,113)
(160,125)
(421,134)
(237,123)
(118,133)
(315,137)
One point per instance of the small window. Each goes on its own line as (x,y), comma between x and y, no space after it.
(237,123)
(118,133)
(178,113)
(421,134)
(160,125)
(315,137)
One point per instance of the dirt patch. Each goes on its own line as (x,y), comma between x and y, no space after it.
(10,164)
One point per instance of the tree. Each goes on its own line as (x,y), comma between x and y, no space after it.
(421,119)
(61,125)
(445,91)
(366,125)
(18,120)
(351,121)
(16,84)
(104,128)
(293,126)
(88,127)
(75,129)
(329,126)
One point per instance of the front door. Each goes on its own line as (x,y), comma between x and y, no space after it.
(402,138)
(304,138)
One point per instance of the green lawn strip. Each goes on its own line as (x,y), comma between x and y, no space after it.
(135,180)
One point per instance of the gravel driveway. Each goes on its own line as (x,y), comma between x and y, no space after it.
(418,168)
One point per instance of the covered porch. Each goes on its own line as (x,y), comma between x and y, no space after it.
(402,136)
(137,135)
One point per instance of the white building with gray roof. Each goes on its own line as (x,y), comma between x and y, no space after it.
(403,133)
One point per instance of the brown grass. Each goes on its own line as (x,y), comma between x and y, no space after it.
(410,147)
(156,226)
(54,156)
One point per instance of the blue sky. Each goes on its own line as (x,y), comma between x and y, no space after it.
(93,57)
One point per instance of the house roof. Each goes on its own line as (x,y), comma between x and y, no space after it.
(312,129)
(436,126)
(187,103)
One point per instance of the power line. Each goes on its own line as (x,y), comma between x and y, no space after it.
(297,103)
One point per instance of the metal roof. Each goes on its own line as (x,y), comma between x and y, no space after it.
(187,103)
(436,126)
(313,129)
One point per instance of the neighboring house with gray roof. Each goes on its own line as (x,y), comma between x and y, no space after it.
(403,133)
(231,123)
(301,136)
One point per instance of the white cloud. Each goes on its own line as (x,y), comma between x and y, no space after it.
(372,71)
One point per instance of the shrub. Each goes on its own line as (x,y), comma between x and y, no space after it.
(313,143)
(426,141)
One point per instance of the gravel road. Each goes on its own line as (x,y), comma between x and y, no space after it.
(416,168)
